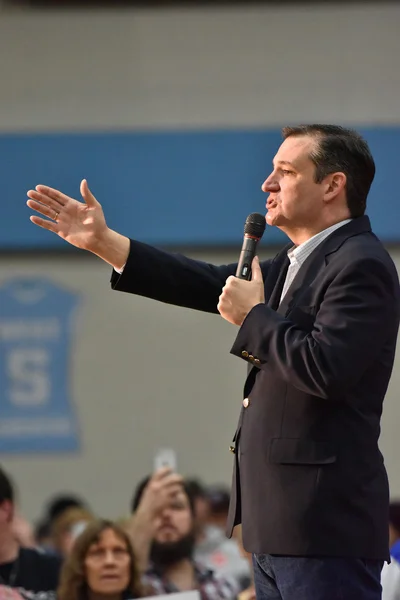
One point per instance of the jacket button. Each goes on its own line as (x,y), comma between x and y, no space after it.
(257,361)
(246,402)
(245,354)
(232,449)
(251,357)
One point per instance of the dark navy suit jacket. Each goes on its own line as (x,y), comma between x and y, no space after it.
(308,477)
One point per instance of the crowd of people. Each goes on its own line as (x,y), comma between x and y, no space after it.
(171,540)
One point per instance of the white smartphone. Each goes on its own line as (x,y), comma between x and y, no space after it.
(165,457)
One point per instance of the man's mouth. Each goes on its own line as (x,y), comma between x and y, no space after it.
(167,528)
(271,203)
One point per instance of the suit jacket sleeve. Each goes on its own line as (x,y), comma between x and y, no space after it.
(172,278)
(358,314)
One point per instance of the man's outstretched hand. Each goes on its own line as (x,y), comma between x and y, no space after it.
(81,224)
(240,296)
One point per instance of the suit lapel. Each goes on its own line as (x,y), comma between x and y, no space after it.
(276,278)
(307,273)
(273,286)
(317,261)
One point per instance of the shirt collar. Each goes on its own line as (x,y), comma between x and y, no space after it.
(203,573)
(295,252)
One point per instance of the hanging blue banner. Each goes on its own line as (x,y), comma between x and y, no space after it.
(36,339)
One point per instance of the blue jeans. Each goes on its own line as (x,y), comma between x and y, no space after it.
(324,578)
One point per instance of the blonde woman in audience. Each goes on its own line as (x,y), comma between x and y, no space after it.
(101,565)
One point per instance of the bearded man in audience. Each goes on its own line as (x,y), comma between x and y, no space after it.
(162,529)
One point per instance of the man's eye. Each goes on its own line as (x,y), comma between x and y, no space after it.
(286,172)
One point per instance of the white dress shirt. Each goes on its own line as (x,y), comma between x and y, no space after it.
(298,254)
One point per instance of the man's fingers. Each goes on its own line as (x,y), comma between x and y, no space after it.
(47,211)
(256,273)
(165,477)
(161,473)
(50,225)
(171,480)
(166,494)
(52,193)
(166,473)
(43,199)
(173,490)
(87,194)
(169,483)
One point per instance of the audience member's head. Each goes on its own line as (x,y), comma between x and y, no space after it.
(394,522)
(201,503)
(174,532)
(9,543)
(218,499)
(60,503)
(7,508)
(101,565)
(67,527)
(43,537)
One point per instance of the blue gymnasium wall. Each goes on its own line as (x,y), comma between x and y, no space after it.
(169,188)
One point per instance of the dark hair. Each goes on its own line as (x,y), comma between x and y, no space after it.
(59,504)
(73,585)
(42,530)
(6,487)
(344,150)
(138,493)
(218,497)
(197,489)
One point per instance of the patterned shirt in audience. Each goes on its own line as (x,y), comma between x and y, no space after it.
(8,593)
(211,587)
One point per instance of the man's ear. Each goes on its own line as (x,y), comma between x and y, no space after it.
(8,509)
(335,184)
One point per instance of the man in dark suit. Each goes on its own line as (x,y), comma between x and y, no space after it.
(318,328)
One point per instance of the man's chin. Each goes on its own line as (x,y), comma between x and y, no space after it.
(275,220)
(166,553)
(272,222)
(166,540)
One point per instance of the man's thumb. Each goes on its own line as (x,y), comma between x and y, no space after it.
(87,194)
(256,274)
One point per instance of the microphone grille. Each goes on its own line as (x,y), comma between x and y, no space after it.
(255,225)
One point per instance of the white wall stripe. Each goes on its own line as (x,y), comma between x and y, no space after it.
(199,68)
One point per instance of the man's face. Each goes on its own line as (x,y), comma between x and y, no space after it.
(295,200)
(6,514)
(174,536)
(175,521)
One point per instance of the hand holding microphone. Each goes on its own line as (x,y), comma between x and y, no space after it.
(240,294)
(253,232)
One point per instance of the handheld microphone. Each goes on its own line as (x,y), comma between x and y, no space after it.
(253,232)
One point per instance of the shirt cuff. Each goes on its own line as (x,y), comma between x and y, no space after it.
(120,270)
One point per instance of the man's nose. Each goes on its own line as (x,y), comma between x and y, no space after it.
(270,184)
(166,515)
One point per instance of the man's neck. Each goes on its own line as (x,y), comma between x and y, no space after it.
(9,549)
(300,235)
(182,575)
